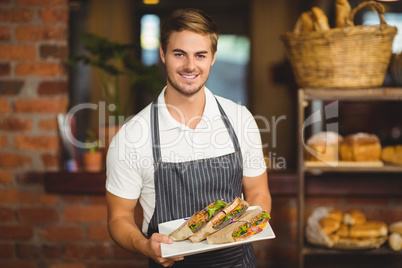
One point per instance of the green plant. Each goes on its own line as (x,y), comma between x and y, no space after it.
(115,62)
(93,143)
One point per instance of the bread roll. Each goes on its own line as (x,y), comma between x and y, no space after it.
(329,225)
(360,147)
(395,241)
(368,229)
(343,231)
(392,154)
(323,146)
(396,227)
(336,214)
(354,217)
(342,12)
(320,20)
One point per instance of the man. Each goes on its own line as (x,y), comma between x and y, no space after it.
(184,151)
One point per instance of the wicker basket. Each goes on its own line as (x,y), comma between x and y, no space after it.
(349,57)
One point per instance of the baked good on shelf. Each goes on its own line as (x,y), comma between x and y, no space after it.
(304,23)
(320,20)
(360,147)
(395,241)
(368,229)
(336,214)
(354,217)
(342,12)
(392,154)
(329,225)
(343,231)
(396,227)
(323,146)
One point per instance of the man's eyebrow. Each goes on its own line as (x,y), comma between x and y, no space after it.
(182,51)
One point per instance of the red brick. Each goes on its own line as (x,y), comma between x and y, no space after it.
(54,15)
(41,105)
(53,88)
(17,52)
(53,51)
(37,215)
(42,2)
(13,160)
(120,253)
(3,143)
(48,124)
(43,69)
(85,213)
(15,124)
(50,160)
(51,252)
(7,251)
(40,33)
(18,264)
(6,176)
(5,68)
(73,199)
(28,251)
(62,233)
(85,252)
(68,265)
(99,233)
(97,200)
(37,142)
(16,15)
(48,199)
(29,178)
(15,196)
(5,107)
(4,33)
(6,215)
(11,87)
(15,233)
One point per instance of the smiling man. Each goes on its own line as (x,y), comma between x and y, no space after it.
(184,151)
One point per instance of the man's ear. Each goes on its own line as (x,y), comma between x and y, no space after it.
(213,59)
(162,54)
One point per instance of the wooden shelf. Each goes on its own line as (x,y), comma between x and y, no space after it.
(315,250)
(375,94)
(75,182)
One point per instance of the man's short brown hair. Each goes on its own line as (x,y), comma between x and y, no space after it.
(190,19)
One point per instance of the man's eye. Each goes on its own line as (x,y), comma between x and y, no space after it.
(179,54)
(201,56)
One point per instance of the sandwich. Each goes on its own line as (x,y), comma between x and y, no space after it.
(232,211)
(250,223)
(197,221)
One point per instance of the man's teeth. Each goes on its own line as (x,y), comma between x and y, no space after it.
(189,76)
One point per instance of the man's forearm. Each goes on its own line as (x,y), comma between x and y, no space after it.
(127,234)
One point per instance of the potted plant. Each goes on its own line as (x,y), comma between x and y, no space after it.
(92,158)
(117,65)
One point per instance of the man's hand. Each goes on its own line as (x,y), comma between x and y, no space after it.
(154,249)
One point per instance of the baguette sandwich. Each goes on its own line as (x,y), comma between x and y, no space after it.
(250,223)
(232,211)
(197,221)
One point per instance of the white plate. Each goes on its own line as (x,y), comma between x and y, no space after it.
(186,247)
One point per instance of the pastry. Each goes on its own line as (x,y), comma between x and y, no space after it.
(368,229)
(329,225)
(392,154)
(323,146)
(360,147)
(342,12)
(320,20)
(354,217)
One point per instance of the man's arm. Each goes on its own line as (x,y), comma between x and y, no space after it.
(124,231)
(256,191)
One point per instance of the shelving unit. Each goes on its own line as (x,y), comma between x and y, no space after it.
(305,97)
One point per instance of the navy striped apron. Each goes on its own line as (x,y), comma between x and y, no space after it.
(183,188)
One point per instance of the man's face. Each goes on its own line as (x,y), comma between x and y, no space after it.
(188,60)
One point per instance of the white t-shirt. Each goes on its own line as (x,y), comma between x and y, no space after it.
(130,170)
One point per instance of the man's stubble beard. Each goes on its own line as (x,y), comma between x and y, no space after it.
(181,90)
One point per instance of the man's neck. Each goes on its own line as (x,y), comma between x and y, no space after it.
(185,109)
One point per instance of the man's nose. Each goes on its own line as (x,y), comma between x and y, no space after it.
(190,64)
